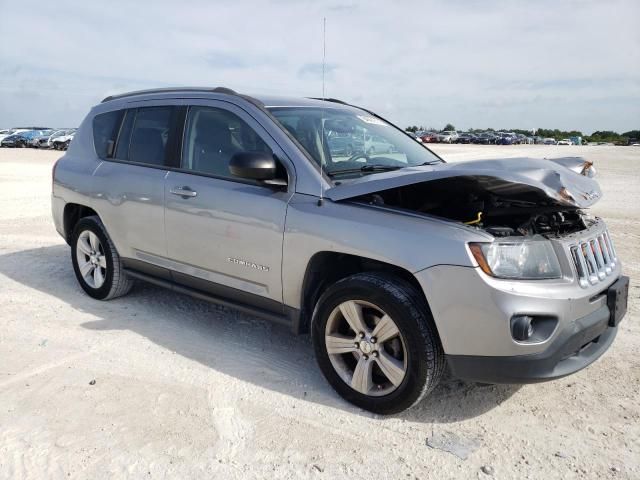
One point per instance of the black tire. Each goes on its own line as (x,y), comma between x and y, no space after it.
(116,282)
(400,300)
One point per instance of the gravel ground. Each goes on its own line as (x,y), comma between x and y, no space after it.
(159,385)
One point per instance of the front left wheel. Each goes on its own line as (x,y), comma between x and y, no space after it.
(96,262)
(376,342)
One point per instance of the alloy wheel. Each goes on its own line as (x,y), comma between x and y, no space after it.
(92,261)
(366,348)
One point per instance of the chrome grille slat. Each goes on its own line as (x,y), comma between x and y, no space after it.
(591,262)
(605,254)
(595,250)
(594,258)
(611,247)
(581,266)
(607,243)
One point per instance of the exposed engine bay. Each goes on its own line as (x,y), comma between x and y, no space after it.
(462,199)
(505,197)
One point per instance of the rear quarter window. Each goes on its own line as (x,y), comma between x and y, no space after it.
(105,132)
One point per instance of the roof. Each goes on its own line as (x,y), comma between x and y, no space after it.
(265,100)
(170,90)
(277,101)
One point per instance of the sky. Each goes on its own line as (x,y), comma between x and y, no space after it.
(502,64)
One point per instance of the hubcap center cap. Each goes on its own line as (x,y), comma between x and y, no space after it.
(366,347)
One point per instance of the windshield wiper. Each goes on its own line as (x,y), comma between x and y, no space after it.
(365,168)
(432,162)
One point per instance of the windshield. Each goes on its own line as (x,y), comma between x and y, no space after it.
(351,142)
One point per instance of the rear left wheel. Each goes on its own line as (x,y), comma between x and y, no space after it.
(96,262)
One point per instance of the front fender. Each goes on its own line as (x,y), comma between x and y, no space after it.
(412,242)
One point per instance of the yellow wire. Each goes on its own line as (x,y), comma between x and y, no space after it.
(477,220)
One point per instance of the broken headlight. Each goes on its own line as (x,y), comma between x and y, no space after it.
(525,259)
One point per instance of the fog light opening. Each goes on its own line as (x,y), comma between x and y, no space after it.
(532,329)
(522,327)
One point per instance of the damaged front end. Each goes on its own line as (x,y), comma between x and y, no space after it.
(515,197)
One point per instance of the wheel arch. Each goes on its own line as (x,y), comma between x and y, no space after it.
(326,268)
(72,214)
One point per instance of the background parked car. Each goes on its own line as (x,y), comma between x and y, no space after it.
(564,141)
(448,136)
(445,137)
(453,133)
(22,136)
(62,142)
(19,140)
(412,134)
(5,133)
(344,144)
(10,140)
(12,131)
(549,141)
(507,139)
(44,140)
(376,144)
(485,138)
(466,138)
(429,137)
(40,134)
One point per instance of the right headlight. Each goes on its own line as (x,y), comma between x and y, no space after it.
(522,259)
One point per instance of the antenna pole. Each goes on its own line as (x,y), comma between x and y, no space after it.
(324,57)
(324,50)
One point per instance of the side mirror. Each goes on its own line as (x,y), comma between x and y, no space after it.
(253,165)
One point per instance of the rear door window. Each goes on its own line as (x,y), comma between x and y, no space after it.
(150,135)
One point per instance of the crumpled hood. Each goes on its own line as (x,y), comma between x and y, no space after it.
(562,180)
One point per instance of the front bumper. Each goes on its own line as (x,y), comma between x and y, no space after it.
(473,313)
(577,346)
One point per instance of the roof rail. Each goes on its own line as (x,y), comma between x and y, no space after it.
(228,91)
(334,100)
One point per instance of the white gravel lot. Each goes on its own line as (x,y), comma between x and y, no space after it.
(185,389)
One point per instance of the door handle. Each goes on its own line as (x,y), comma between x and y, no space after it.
(184,192)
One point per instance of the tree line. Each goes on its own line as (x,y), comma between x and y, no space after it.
(607,136)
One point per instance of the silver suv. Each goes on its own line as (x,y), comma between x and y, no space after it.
(396,262)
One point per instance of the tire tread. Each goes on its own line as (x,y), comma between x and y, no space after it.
(121,283)
(404,293)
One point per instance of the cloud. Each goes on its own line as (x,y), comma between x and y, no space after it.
(225,61)
(314,71)
(573,64)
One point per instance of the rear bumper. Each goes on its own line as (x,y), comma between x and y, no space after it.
(57,213)
(577,346)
